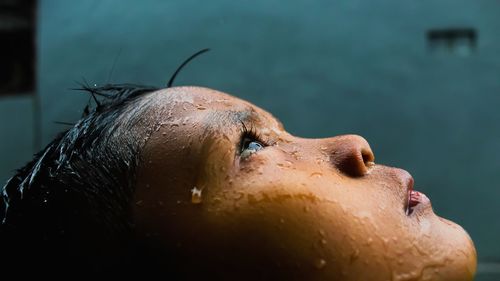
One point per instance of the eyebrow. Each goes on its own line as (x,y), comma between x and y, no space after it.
(233,117)
(226,120)
(222,118)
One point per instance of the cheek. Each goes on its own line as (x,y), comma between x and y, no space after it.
(303,234)
(274,231)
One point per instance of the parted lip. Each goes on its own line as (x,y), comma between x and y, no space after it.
(413,198)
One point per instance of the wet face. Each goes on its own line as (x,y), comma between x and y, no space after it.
(224,190)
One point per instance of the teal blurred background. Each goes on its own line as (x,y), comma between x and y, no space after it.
(324,68)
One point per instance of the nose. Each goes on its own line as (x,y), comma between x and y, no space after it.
(351,154)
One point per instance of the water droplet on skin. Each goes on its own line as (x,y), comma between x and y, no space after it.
(282,220)
(164,133)
(306,209)
(316,175)
(195,195)
(286,164)
(354,256)
(322,232)
(217,200)
(323,241)
(320,263)
(239,195)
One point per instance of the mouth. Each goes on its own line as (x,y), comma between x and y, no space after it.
(414,198)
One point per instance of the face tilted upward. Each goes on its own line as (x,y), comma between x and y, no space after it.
(225,190)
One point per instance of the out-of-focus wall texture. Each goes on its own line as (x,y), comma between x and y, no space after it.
(426,103)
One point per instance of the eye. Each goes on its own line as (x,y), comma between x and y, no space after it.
(249,146)
(251,141)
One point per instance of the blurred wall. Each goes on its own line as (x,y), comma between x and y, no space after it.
(324,68)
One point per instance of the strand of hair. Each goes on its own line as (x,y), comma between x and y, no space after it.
(171,81)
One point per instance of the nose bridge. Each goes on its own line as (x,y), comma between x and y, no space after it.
(351,154)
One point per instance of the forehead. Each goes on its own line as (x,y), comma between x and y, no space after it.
(210,104)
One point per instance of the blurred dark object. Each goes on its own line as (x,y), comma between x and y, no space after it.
(17,47)
(460,41)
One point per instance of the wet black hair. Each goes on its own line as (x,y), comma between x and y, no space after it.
(75,195)
(69,209)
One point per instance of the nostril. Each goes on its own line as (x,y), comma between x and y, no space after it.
(352,163)
(368,157)
(351,155)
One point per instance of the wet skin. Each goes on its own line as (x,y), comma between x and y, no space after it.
(228,193)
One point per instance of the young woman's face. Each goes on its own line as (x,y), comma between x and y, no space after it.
(228,192)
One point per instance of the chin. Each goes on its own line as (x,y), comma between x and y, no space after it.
(461,260)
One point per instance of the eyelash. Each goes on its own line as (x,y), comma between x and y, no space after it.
(252,134)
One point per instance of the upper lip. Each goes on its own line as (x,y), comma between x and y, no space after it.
(404,182)
(407,183)
(409,189)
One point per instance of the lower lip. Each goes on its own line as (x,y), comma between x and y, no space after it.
(415,199)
